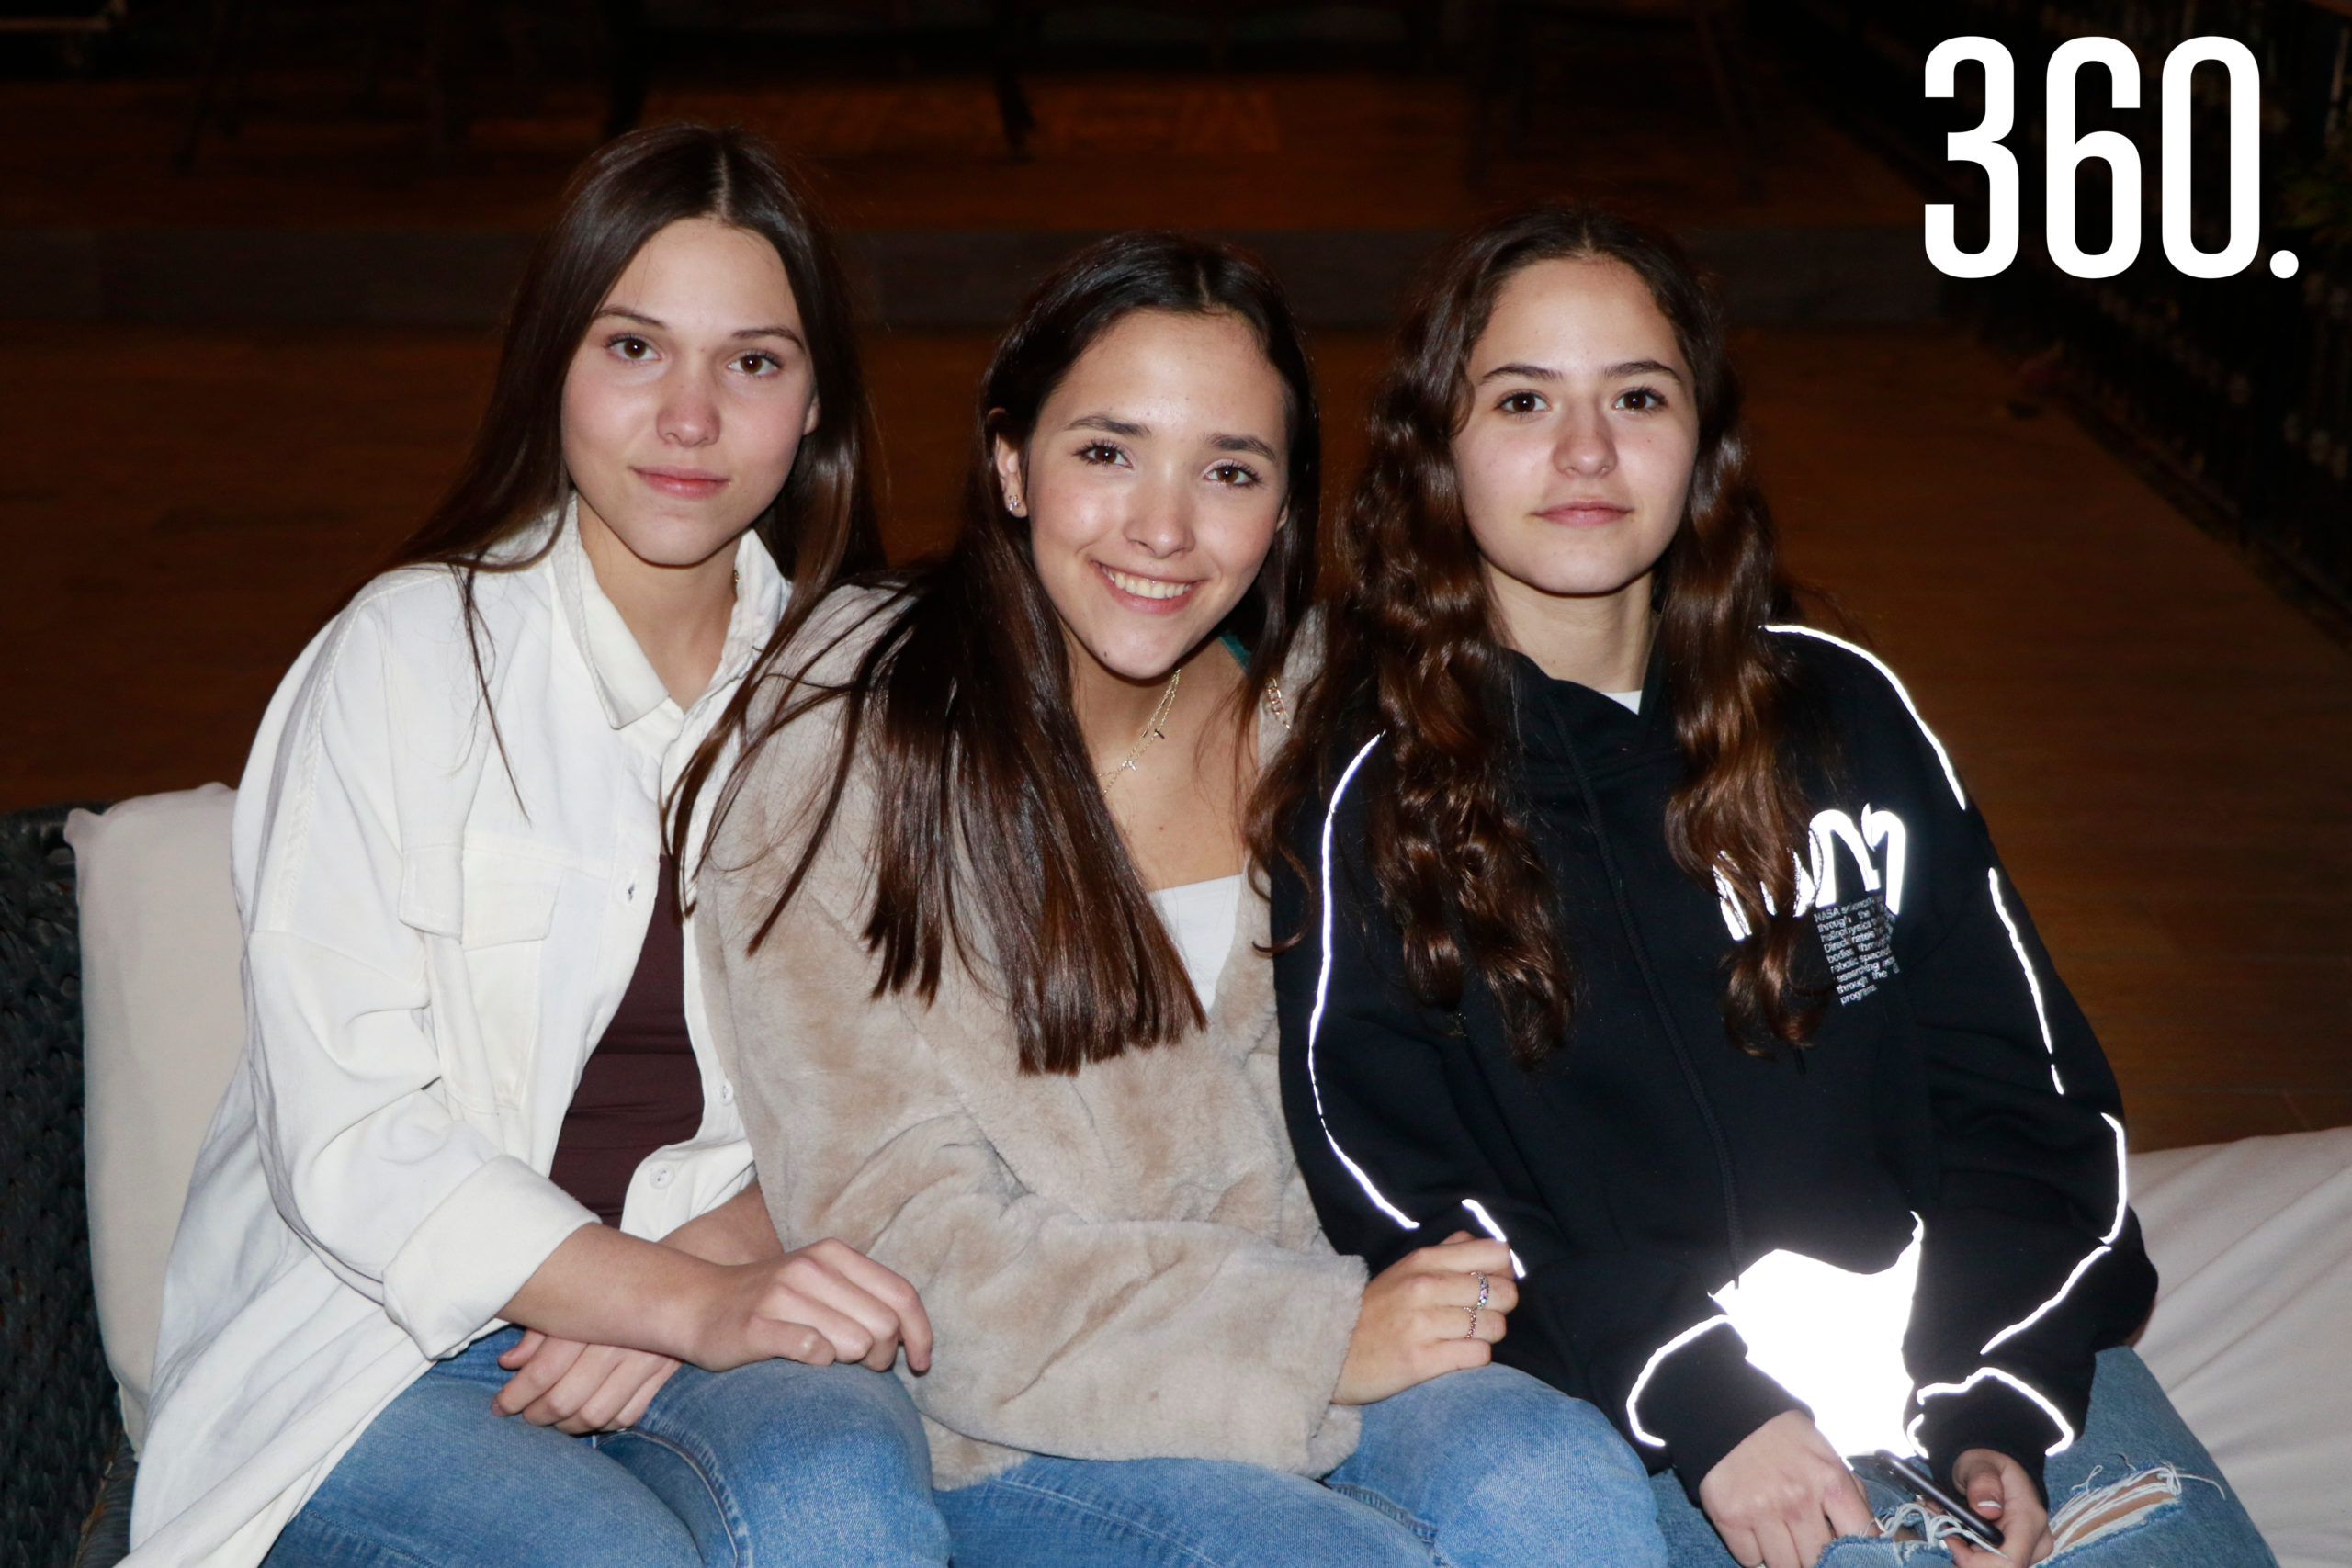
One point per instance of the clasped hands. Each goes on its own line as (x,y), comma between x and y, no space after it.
(821,1304)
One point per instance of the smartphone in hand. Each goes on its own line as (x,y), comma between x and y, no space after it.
(1904,1476)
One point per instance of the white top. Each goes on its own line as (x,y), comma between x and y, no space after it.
(433,945)
(1632,700)
(1201,916)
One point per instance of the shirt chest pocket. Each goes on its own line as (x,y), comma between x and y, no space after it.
(509,912)
(508,899)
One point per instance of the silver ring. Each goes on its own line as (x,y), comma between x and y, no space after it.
(1482,1291)
(1473,1323)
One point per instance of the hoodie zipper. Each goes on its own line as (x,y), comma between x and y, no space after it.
(1735,1230)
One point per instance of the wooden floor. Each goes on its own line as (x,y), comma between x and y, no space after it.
(2164,749)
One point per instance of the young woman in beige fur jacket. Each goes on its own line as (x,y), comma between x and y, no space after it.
(995,993)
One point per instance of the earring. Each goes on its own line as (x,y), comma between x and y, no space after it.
(1012,503)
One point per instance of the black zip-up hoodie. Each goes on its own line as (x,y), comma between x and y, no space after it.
(1953,1093)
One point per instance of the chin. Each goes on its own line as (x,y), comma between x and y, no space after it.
(1144,672)
(1139,661)
(679,545)
(1575,580)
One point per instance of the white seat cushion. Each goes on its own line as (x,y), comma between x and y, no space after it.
(2251,1334)
(163,1020)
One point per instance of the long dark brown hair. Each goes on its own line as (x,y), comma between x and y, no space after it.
(1414,654)
(821,524)
(992,841)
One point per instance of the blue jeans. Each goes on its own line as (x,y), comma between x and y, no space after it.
(2132,1428)
(772,1463)
(1480,1468)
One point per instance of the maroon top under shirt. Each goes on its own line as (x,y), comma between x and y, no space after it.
(641,1088)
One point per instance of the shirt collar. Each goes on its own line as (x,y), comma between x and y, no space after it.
(627,683)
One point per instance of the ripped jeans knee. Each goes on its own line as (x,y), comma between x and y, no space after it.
(2093,1512)
(2135,1490)
(1910,1532)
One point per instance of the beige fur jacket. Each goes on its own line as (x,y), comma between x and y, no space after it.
(1123,1264)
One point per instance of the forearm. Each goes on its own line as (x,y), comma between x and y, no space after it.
(737,1231)
(602,1276)
(602,1287)
(2008,1319)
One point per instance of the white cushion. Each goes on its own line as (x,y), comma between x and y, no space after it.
(163,1021)
(2252,1336)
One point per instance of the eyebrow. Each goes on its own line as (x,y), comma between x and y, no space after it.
(1542,372)
(1129,428)
(1527,372)
(655,321)
(1107,425)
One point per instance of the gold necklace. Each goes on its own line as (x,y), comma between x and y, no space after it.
(1151,732)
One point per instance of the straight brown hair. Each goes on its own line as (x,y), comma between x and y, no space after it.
(993,842)
(1413,652)
(821,524)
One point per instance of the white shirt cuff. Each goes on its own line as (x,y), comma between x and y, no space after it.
(459,1267)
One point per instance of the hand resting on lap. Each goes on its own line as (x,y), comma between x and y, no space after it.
(1783,1494)
(719,1291)
(1417,1320)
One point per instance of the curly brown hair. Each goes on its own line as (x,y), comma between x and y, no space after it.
(1413,654)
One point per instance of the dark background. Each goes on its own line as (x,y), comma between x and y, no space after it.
(252,255)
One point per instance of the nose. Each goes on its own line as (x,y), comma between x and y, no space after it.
(689,411)
(1586,447)
(1162,520)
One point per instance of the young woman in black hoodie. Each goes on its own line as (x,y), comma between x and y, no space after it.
(1654,934)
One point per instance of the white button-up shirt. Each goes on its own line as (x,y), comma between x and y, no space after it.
(440,921)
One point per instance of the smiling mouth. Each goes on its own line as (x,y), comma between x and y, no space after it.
(1144,587)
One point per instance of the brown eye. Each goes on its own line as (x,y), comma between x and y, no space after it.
(631,347)
(1640,400)
(1520,402)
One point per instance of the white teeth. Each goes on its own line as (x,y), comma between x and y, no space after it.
(1144,587)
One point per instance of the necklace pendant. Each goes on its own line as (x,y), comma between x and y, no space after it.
(1155,731)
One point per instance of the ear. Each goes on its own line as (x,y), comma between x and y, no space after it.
(816,413)
(1009,477)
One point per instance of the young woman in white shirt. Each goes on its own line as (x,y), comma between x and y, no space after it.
(394,1329)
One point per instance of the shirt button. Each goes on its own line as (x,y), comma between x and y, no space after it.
(726,1092)
(662,1176)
